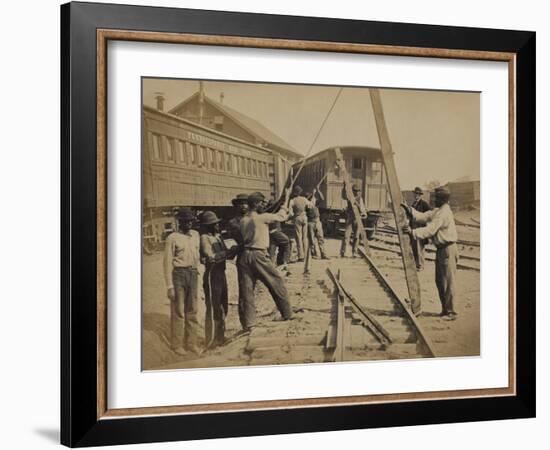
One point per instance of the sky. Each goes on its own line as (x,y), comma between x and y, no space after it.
(435,135)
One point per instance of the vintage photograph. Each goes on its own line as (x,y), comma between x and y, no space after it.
(295,224)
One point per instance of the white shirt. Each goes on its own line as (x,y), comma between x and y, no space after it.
(440,225)
(181,250)
(255,230)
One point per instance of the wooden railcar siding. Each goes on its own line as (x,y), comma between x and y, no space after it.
(187,165)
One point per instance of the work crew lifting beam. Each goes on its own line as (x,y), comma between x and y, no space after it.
(409,264)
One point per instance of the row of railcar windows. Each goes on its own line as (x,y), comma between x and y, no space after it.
(193,155)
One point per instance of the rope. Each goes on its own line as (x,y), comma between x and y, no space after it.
(316,137)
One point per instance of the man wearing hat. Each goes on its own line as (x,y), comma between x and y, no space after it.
(240,203)
(255,264)
(422,206)
(298,206)
(352,230)
(214,253)
(440,227)
(181,260)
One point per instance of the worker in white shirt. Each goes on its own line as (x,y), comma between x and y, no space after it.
(298,205)
(255,264)
(181,260)
(440,227)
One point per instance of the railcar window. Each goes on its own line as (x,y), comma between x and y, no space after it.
(212,158)
(181,152)
(357,163)
(194,154)
(248,167)
(220,161)
(228,162)
(169,149)
(376,171)
(156,147)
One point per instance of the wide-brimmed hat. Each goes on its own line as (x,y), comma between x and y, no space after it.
(355,188)
(240,198)
(256,196)
(443,193)
(417,190)
(185,215)
(209,218)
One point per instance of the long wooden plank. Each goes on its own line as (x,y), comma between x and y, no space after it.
(426,341)
(396,199)
(350,198)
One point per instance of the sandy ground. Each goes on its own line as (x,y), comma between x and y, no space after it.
(312,298)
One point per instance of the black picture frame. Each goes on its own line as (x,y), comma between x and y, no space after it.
(80,425)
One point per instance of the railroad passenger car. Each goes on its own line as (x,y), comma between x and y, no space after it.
(366,170)
(186,164)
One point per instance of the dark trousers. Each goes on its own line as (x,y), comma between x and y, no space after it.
(316,238)
(256,265)
(446,260)
(418,252)
(352,234)
(279,247)
(184,323)
(216,298)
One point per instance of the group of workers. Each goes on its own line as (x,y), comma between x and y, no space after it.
(262,249)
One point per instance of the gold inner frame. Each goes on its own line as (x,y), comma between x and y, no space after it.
(104,35)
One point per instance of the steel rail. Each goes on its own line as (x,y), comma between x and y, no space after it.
(426,341)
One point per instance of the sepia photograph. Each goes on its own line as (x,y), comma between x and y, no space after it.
(307,224)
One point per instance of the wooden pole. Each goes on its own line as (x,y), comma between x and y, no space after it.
(350,198)
(411,274)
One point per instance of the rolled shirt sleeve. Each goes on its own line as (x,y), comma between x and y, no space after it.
(279,216)
(429,230)
(423,217)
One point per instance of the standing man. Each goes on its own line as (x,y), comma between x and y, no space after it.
(297,207)
(352,229)
(441,228)
(240,203)
(255,264)
(422,206)
(214,253)
(279,243)
(316,236)
(181,260)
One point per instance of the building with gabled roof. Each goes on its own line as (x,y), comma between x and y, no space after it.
(218,116)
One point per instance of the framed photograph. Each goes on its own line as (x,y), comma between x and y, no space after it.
(277,224)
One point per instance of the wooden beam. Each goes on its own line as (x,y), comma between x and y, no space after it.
(340,163)
(396,199)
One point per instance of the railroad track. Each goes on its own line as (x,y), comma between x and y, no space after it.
(378,324)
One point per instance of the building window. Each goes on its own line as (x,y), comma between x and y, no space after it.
(357,163)
(156,147)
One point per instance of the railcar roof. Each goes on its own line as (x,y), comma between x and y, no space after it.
(204,128)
